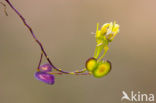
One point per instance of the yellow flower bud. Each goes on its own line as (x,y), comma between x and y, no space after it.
(104,28)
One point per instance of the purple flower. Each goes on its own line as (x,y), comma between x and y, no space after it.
(45,77)
(45,68)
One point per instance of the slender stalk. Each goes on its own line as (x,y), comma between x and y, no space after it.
(38,42)
(60,73)
(105,51)
(4,8)
(40,61)
(95,52)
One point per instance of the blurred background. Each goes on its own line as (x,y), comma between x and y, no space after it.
(64,27)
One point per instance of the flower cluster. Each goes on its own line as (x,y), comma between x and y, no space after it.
(108,32)
(96,65)
(105,36)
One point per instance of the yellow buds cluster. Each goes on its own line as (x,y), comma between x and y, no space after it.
(108,31)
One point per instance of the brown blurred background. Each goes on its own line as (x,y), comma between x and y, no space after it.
(64,27)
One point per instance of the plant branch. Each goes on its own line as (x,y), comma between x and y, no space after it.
(40,44)
(40,61)
(4,8)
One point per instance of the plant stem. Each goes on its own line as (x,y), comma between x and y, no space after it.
(40,61)
(4,8)
(72,73)
(38,42)
(105,51)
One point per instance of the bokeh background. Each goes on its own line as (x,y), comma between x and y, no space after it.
(64,27)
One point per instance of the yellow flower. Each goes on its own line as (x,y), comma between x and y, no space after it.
(104,28)
(108,31)
(112,30)
(104,36)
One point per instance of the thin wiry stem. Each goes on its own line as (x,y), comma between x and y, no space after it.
(4,8)
(60,73)
(102,55)
(40,44)
(40,61)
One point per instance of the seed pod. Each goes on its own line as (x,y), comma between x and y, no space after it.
(91,64)
(45,68)
(45,77)
(102,69)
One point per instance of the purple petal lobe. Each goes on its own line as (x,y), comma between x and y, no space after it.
(45,68)
(45,77)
